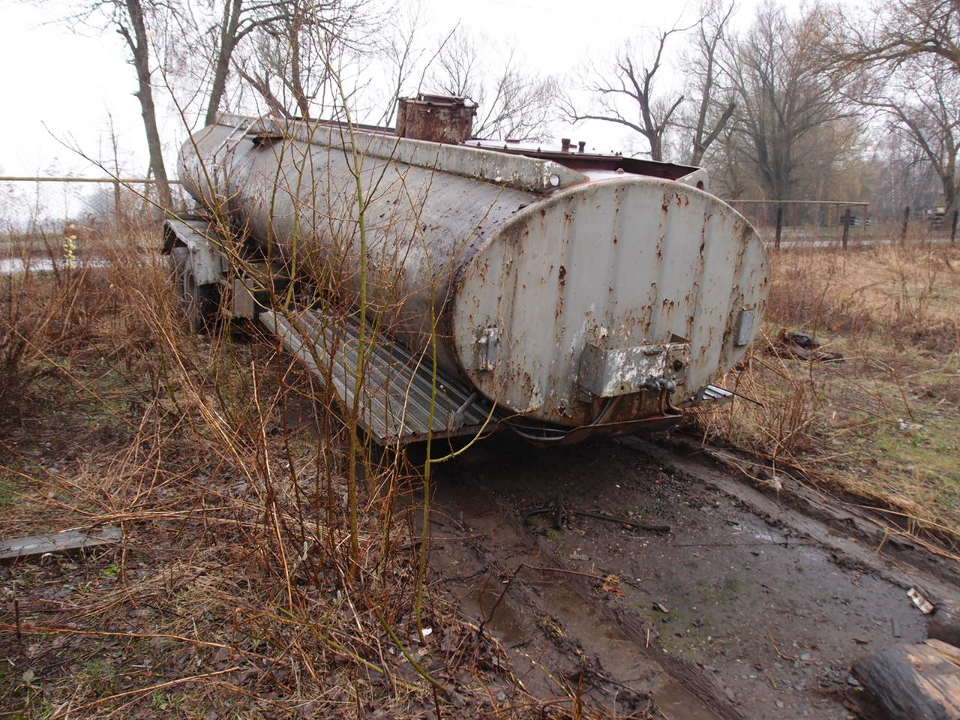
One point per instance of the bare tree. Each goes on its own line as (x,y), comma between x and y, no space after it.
(728,175)
(627,95)
(710,112)
(921,100)
(233,21)
(782,97)
(899,30)
(899,174)
(405,57)
(295,48)
(512,104)
(130,18)
(910,51)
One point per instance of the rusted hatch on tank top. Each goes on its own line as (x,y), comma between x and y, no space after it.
(438,118)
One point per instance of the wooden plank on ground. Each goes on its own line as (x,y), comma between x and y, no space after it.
(914,682)
(67,541)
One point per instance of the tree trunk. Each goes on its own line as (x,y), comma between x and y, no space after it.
(296,79)
(656,147)
(228,42)
(140,47)
(944,624)
(914,682)
(949,198)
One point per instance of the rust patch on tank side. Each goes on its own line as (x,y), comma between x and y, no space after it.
(561,301)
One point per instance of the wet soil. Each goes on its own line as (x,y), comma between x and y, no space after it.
(726,615)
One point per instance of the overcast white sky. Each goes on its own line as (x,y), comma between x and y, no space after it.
(66,84)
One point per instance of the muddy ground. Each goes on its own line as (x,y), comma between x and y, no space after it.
(735,611)
(725,602)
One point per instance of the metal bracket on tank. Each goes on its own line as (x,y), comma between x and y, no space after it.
(657,368)
(745,327)
(487,345)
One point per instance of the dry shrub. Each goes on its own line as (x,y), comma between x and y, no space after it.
(244,579)
(892,312)
(893,292)
(776,412)
(44,314)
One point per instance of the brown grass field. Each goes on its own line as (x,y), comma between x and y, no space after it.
(883,424)
(271,565)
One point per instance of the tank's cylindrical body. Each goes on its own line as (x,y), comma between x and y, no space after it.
(524,262)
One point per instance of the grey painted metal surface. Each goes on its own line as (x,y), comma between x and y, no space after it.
(300,200)
(616,264)
(525,263)
(196,239)
(397,387)
(514,171)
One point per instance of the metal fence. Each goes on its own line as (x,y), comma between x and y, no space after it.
(840,223)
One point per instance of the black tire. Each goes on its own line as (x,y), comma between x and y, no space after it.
(200,303)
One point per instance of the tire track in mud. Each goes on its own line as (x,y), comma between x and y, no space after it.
(727,616)
(556,632)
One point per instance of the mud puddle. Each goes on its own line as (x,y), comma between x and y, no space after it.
(724,616)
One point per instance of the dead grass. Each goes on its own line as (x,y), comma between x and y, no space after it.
(239,591)
(884,424)
(241,588)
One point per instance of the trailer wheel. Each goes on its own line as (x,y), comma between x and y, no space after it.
(200,303)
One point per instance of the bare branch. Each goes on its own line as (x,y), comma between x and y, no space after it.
(627,94)
(513,104)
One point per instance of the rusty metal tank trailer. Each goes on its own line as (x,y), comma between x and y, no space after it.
(576,292)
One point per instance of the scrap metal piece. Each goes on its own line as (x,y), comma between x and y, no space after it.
(199,248)
(709,395)
(922,604)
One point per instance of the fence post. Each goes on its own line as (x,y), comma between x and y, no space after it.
(906,221)
(779,223)
(846,227)
(953,228)
(116,203)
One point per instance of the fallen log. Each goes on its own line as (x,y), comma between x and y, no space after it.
(945,624)
(914,682)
